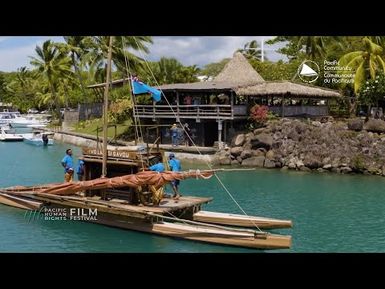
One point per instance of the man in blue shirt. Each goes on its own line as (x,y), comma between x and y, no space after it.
(80,169)
(175,167)
(158,167)
(68,165)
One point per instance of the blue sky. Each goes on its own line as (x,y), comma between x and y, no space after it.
(199,50)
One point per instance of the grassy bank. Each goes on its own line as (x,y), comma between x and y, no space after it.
(90,127)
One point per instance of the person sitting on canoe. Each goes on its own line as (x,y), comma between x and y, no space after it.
(175,167)
(68,165)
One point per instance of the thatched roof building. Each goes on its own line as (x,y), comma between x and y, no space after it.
(239,71)
(285,88)
(239,76)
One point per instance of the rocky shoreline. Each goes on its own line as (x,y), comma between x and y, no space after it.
(350,146)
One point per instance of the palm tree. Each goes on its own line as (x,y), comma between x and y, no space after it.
(77,47)
(251,50)
(51,64)
(121,57)
(365,63)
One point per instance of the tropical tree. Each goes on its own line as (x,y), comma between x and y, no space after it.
(122,58)
(372,91)
(51,65)
(313,47)
(366,63)
(213,69)
(77,47)
(170,70)
(251,50)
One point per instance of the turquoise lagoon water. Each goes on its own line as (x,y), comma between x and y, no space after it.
(330,212)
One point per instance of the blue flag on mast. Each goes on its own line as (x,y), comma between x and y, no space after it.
(139,87)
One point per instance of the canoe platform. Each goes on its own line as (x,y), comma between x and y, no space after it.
(187,219)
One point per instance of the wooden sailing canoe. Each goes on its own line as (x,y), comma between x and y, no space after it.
(241,220)
(18,202)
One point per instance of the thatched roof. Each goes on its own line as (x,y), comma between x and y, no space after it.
(280,88)
(239,71)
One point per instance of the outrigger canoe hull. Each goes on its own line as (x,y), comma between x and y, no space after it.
(202,234)
(241,220)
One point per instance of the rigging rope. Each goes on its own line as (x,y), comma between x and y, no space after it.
(195,146)
(136,120)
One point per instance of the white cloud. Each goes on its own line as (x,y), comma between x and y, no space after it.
(12,58)
(189,50)
(205,49)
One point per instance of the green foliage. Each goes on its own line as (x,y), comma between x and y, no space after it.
(276,70)
(213,69)
(366,63)
(169,70)
(251,50)
(372,90)
(120,110)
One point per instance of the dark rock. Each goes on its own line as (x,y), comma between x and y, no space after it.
(254,162)
(375,125)
(239,140)
(356,124)
(270,155)
(246,154)
(262,141)
(258,131)
(269,164)
(224,161)
(304,169)
(236,151)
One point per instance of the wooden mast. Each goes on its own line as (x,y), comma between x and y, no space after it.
(105,110)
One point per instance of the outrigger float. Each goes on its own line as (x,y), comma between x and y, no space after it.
(135,201)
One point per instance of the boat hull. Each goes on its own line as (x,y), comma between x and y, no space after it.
(21,203)
(241,220)
(198,233)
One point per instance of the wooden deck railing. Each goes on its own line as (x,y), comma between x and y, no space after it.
(220,111)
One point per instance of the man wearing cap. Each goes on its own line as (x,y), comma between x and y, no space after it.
(175,167)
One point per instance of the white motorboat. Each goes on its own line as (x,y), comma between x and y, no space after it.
(27,121)
(5,135)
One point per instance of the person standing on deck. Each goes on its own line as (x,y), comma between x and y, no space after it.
(68,165)
(175,167)
(158,167)
(80,169)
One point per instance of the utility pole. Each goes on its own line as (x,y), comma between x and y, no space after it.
(262,49)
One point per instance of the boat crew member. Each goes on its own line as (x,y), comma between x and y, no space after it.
(67,163)
(158,167)
(80,169)
(175,166)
